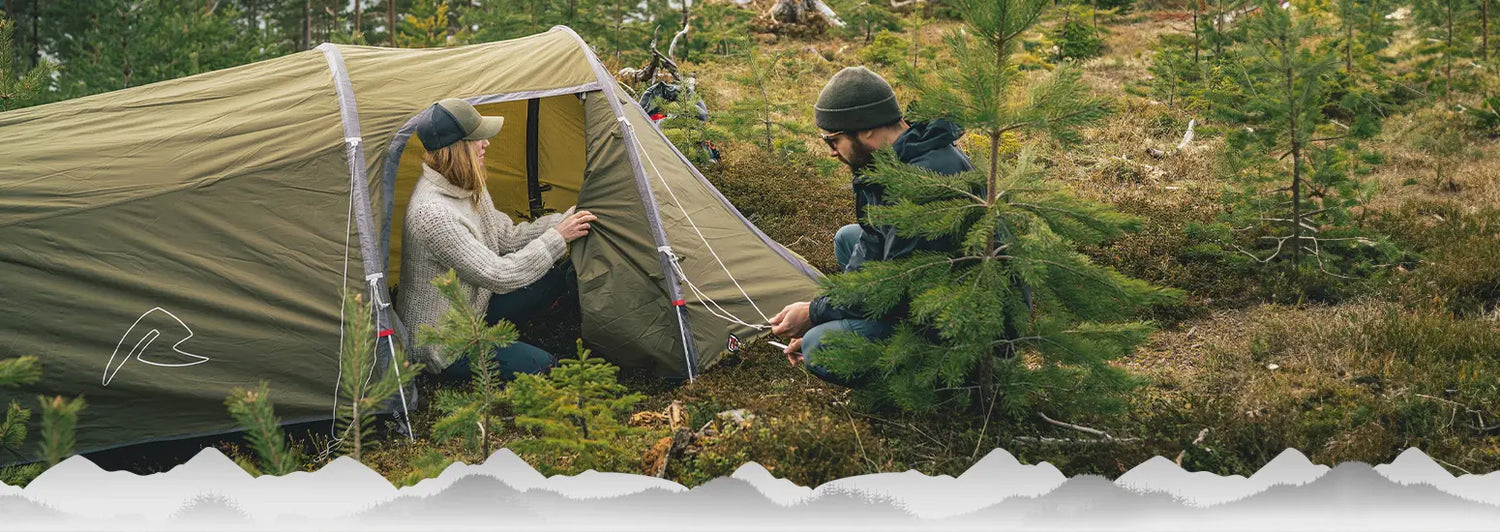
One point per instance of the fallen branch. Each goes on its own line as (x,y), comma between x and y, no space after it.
(1188,136)
(1079,428)
(1201,434)
(672,48)
(1070,441)
(828,14)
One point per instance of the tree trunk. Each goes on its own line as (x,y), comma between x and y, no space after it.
(1291,94)
(390,16)
(687,4)
(36,50)
(307,25)
(986,375)
(358,16)
(1349,47)
(1484,31)
(1448,56)
(125,47)
(484,436)
(1197,39)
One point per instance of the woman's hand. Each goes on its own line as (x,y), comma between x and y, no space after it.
(576,225)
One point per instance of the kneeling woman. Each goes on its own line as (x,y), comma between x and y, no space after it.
(451,223)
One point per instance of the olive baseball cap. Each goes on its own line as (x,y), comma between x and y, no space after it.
(451,120)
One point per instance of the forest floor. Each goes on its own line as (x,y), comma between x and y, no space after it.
(1236,374)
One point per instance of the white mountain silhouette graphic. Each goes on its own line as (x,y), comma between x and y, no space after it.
(1203,488)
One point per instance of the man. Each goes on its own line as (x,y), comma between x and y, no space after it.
(859,115)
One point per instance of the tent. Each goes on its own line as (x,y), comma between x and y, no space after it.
(167,243)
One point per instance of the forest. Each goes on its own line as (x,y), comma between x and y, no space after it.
(1242,225)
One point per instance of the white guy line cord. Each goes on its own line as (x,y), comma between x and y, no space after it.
(642,148)
(374,280)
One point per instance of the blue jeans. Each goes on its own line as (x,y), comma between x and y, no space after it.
(845,242)
(520,357)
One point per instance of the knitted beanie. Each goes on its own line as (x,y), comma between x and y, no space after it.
(856,99)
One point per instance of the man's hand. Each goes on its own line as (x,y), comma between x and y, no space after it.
(794,351)
(792,322)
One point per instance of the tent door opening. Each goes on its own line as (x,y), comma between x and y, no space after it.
(535,165)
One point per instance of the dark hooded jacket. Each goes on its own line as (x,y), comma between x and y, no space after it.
(926,145)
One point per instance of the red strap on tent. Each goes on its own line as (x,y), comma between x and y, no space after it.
(387,332)
(679,303)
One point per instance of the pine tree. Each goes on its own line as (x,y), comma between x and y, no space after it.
(360,394)
(19,87)
(462,334)
(1363,30)
(718,29)
(1450,26)
(575,411)
(252,409)
(761,118)
(107,45)
(693,136)
(59,419)
(1278,100)
(16,372)
(1013,232)
(426,26)
(869,18)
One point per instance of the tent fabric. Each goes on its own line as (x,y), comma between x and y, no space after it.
(168,243)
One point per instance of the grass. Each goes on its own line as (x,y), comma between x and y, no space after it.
(1360,380)
(1411,361)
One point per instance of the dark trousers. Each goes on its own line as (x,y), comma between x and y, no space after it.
(521,357)
(844,246)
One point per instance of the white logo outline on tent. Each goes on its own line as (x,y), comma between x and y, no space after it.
(139,351)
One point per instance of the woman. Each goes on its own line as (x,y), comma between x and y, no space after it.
(451,223)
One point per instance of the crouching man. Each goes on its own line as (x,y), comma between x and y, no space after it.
(858,114)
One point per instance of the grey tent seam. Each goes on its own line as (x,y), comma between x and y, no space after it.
(653,217)
(358,183)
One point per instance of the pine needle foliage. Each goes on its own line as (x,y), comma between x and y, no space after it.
(687,131)
(16,372)
(363,384)
(463,334)
(1294,209)
(59,421)
(19,89)
(19,371)
(253,410)
(575,411)
(1015,235)
(969,306)
(760,117)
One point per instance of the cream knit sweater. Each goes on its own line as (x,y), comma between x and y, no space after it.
(443,230)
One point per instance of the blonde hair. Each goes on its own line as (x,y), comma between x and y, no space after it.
(460,164)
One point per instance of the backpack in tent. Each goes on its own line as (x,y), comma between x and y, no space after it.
(167,243)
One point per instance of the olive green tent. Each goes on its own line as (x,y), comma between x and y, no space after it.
(166,243)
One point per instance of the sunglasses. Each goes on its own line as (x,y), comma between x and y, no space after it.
(831,138)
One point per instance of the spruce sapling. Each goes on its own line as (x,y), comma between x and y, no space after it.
(252,409)
(1299,212)
(1012,233)
(59,419)
(575,411)
(360,393)
(16,372)
(462,334)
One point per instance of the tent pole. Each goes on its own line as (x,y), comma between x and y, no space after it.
(653,215)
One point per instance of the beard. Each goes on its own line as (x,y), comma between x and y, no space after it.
(860,158)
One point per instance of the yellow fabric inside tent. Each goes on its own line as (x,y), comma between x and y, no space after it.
(560,154)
